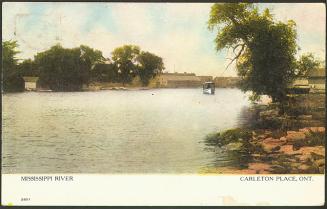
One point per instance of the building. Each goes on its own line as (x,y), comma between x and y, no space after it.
(299,86)
(176,80)
(30,83)
(317,79)
(206,78)
(226,82)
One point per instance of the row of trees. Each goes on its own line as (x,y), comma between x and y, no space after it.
(64,69)
(264,49)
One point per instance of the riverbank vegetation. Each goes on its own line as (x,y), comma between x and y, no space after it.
(288,135)
(293,142)
(69,69)
(264,49)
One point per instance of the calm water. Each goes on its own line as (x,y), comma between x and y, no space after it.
(149,131)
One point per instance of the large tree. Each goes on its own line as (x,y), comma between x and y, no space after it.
(11,79)
(264,49)
(149,66)
(126,63)
(64,69)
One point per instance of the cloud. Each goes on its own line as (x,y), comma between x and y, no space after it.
(311,24)
(177,32)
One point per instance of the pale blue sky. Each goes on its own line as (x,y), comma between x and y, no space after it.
(177,32)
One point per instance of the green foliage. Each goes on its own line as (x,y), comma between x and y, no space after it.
(264,49)
(104,73)
(66,69)
(306,63)
(229,136)
(63,69)
(28,68)
(150,66)
(313,139)
(125,60)
(11,80)
(130,61)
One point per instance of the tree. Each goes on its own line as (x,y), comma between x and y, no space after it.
(125,61)
(11,80)
(66,69)
(91,56)
(264,49)
(150,66)
(306,63)
(28,68)
(103,72)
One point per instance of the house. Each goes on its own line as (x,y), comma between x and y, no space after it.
(30,83)
(176,80)
(226,82)
(205,78)
(317,80)
(299,86)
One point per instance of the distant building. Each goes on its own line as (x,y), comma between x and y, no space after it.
(30,83)
(226,82)
(299,86)
(206,78)
(317,79)
(176,80)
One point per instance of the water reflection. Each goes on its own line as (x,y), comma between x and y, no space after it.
(230,158)
(153,131)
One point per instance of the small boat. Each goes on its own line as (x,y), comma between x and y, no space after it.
(209,88)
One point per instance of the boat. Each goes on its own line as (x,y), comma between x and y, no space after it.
(209,88)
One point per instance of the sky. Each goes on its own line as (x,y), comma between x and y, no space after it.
(177,32)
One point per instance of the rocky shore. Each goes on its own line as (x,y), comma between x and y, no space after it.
(278,143)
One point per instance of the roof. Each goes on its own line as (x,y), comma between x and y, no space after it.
(317,73)
(180,77)
(204,76)
(30,79)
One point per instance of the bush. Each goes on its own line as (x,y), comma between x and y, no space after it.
(314,139)
(229,136)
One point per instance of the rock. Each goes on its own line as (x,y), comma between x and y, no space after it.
(288,150)
(310,154)
(291,132)
(308,130)
(318,150)
(304,158)
(320,162)
(318,129)
(259,167)
(304,168)
(270,144)
(293,136)
(283,139)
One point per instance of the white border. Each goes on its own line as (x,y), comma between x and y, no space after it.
(164,190)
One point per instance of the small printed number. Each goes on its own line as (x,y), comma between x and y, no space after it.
(25,199)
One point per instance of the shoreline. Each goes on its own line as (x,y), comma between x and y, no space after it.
(296,146)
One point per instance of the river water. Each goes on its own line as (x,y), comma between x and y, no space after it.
(136,131)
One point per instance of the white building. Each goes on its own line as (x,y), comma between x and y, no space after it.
(30,83)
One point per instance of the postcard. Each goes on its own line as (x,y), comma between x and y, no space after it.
(108,103)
